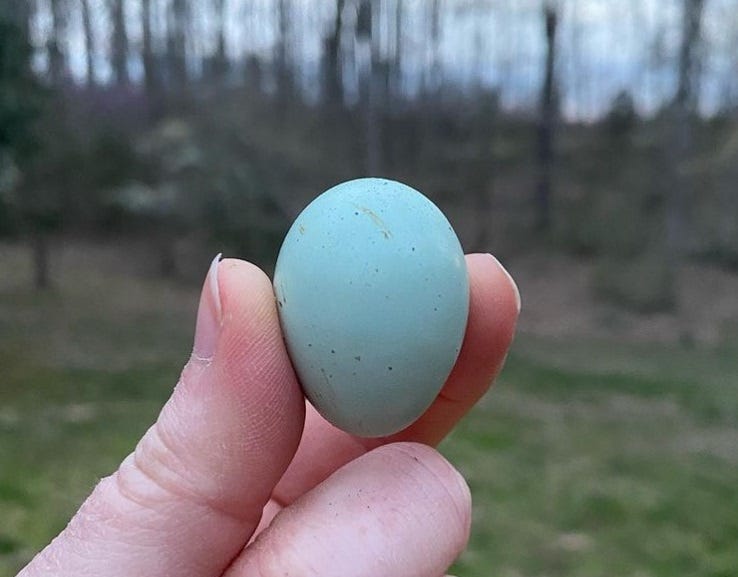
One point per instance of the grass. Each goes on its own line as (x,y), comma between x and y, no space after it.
(586,472)
(587,459)
(61,431)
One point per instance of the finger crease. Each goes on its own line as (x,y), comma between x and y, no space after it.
(172,489)
(281,503)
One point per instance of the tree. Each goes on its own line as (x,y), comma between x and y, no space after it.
(367,35)
(434,77)
(396,68)
(690,60)
(332,64)
(19,93)
(89,42)
(547,121)
(20,106)
(177,43)
(220,60)
(684,106)
(57,57)
(119,58)
(282,66)
(151,75)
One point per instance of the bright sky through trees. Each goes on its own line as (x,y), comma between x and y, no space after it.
(605,45)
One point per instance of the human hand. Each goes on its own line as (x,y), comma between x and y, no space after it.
(240,477)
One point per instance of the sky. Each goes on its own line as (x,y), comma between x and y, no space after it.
(604,46)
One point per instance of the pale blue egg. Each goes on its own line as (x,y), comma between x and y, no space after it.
(373,297)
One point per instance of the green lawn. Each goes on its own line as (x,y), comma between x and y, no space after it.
(588,458)
(580,471)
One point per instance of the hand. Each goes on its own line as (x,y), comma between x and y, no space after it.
(235,453)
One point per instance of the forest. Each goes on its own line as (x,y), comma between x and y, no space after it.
(597,129)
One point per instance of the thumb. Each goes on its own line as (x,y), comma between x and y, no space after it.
(191,494)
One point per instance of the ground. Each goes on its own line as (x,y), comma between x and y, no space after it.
(603,450)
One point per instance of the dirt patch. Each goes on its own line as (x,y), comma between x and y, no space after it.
(557,293)
(558,301)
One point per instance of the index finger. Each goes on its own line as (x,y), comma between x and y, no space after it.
(493,311)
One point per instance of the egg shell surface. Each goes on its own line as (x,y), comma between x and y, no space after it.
(373,297)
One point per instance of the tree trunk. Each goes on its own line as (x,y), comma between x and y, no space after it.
(547,123)
(147,50)
(119,57)
(281,56)
(684,107)
(177,43)
(397,56)
(333,76)
(689,57)
(57,58)
(89,43)
(220,61)
(434,83)
(372,96)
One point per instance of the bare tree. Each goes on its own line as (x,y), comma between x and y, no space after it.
(151,78)
(434,76)
(332,65)
(89,42)
(177,19)
(690,60)
(547,121)
(119,56)
(282,65)
(367,36)
(56,55)
(374,104)
(396,84)
(684,106)
(480,32)
(19,99)
(220,60)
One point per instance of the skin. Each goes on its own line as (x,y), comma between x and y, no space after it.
(240,477)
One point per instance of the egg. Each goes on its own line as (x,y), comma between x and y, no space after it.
(373,298)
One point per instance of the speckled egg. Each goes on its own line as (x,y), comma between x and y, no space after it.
(373,298)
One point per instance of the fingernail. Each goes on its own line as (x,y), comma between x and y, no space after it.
(209,316)
(518,302)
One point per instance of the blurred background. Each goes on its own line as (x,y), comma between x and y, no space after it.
(591,144)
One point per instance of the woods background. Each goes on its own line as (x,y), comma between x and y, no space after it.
(594,128)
